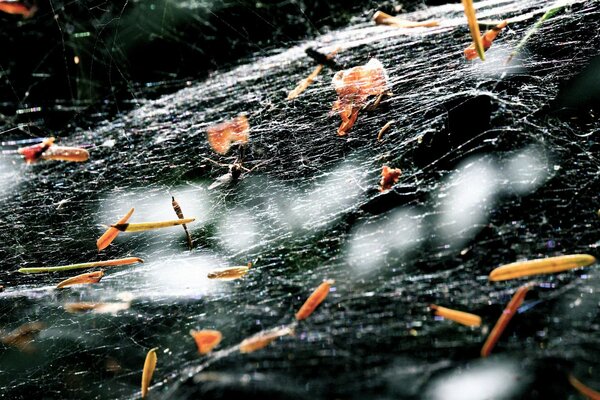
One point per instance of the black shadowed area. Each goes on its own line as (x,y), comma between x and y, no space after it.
(498,165)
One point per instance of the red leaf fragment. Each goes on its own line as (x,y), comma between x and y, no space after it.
(34,152)
(223,135)
(16,8)
(389,176)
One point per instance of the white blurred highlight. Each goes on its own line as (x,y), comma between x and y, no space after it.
(468,194)
(9,175)
(176,276)
(154,204)
(526,171)
(329,198)
(482,381)
(465,197)
(238,231)
(370,244)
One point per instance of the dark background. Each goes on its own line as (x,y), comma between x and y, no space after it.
(361,342)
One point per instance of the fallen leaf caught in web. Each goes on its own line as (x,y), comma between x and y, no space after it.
(314,299)
(229,273)
(550,265)
(206,339)
(263,339)
(354,86)
(389,176)
(148,371)
(112,233)
(382,18)
(83,279)
(461,317)
(223,135)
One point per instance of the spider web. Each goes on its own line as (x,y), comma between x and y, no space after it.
(491,174)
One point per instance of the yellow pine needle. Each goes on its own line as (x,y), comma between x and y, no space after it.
(87,278)
(474,27)
(107,263)
(149,366)
(461,317)
(147,226)
(542,266)
(229,273)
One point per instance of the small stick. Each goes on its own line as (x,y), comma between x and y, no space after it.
(179,213)
(304,83)
(382,18)
(384,129)
(147,226)
(474,27)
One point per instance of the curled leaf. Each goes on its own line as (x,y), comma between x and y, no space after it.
(107,263)
(461,317)
(314,299)
(112,233)
(83,279)
(206,339)
(17,8)
(541,266)
(148,371)
(223,135)
(147,226)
